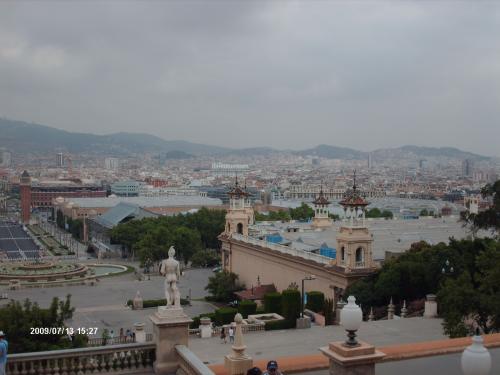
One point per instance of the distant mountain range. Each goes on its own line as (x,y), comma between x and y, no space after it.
(35,138)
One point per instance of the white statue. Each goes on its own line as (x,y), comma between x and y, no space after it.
(170,268)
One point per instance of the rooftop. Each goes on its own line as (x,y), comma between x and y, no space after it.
(145,202)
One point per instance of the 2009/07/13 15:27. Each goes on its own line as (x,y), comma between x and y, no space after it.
(63,330)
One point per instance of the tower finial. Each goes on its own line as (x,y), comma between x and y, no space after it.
(354,184)
(236,181)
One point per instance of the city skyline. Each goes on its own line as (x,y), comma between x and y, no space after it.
(288,75)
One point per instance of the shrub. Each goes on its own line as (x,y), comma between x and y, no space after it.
(195,323)
(290,304)
(274,325)
(315,301)
(272,302)
(156,302)
(246,308)
(225,315)
(328,311)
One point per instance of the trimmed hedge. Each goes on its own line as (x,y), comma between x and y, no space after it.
(156,302)
(274,325)
(315,301)
(272,302)
(225,315)
(246,308)
(290,305)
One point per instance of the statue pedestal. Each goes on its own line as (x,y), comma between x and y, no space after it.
(358,360)
(237,365)
(170,328)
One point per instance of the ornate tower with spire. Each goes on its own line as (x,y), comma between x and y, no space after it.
(321,211)
(354,240)
(239,216)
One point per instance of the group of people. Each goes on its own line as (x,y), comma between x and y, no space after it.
(230,333)
(271,369)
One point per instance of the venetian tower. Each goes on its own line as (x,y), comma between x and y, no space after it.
(25,192)
(354,240)
(240,213)
(321,211)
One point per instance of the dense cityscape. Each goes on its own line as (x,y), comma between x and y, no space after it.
(219,188)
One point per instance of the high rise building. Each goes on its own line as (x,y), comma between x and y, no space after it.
(5,158)
(370,161)
(467,168)
(111,163)
(60,159)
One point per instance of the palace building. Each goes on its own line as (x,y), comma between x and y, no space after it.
(285,253)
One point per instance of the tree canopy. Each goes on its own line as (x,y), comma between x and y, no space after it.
(150,238)
(222,286)
(17,319)
(468,295)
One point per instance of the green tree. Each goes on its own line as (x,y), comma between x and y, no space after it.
(205,258)
(424,212)
(187,242)
(17,320)
(290,305)
(222,286)
(303,212)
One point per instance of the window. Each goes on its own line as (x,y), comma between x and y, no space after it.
(240,228)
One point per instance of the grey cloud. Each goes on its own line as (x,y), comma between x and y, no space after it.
(282,74)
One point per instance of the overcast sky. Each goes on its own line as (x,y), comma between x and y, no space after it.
(257,73)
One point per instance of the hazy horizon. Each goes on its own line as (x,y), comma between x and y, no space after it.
(286,75)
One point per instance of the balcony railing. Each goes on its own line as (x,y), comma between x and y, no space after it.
(189,363)
(284,249)
(98,341)
(121,359)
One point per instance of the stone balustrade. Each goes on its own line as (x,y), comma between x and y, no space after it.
(99,341)
(189,363)
(253,327)
(284,249)
(122,359)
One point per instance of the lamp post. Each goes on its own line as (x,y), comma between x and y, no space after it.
(351,317)
(476,359)
(447,269)
(311,277)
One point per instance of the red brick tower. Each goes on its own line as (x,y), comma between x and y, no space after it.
(25,187)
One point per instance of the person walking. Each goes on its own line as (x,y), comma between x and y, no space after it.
(4,346)
(223,335)
(272,368)
(231,335)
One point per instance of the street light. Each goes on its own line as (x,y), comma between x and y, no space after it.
(447,270)
(311,277)
(351,317)
(476,359)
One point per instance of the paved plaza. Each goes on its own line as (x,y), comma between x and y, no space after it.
(103,305)
(274,344)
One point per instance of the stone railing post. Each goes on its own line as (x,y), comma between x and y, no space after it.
(140,333)
(340,306)
(170,327)
(404,310)
(205,328)
(237,363)
(430,306)
(357,360)
(390,310)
